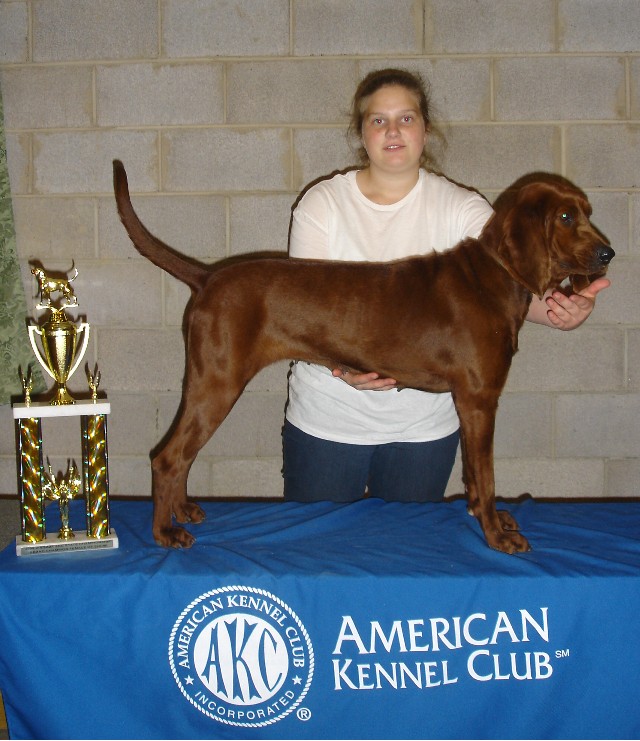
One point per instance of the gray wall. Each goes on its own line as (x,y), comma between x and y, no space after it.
(222,110)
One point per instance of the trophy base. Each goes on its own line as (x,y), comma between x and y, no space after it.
(52,544)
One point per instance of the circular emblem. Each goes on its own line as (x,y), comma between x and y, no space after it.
(241,656)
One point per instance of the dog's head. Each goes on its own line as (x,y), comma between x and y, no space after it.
(542,234)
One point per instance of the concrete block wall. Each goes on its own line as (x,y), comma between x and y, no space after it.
(222,110)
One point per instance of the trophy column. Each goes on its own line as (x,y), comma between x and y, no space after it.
(95,474)
(29,438)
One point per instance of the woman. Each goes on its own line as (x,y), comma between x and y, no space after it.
(349,431)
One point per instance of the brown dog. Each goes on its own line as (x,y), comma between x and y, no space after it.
(443,322)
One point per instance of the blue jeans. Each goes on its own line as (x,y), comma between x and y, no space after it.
(316,470)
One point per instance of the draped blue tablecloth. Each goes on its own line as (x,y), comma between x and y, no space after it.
(368,620)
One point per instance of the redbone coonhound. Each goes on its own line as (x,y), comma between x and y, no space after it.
(438,322)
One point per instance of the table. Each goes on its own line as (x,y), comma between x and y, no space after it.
(367,620)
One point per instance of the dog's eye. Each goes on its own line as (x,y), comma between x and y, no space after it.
(566,218)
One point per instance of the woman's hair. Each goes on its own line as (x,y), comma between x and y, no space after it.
(370,85)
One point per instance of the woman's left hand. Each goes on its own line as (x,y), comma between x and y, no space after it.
(566,312)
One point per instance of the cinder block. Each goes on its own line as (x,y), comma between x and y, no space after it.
(61,436)
(620,304)
(253,428)
(459,88)
(176,295)
(49,227)
(598,425)
(130,477)
(259,223)
(102,29)
(132,424)
(623,477)
(618,148)
(7,429)
(81,161)
(553,88)
(352,27)
(236,159)
(167,405)
(44,97)
(489,26)
(634,76)
(19,162)
(9,481)
(524,426)
(316,91)
(319,152)
(273,378)
(209,28)
(634,245)
(14,30)
(589,358)
(611,216)
(598,25)
(455,486)
(135,359)
(194,225)
(474,151)
(199,481)
(159,94)
(265,399)
(633,359)
(545,478)
(119,294)
(259,478)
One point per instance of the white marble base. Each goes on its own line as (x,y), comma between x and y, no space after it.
(53,544)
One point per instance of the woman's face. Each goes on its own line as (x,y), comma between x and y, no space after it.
(393,130)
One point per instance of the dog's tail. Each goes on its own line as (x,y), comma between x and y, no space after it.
(185,269)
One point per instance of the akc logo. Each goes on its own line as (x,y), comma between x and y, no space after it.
(241,656)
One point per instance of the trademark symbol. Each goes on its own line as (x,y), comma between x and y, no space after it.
(562,653)
(304,714)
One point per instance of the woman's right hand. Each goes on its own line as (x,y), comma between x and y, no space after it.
(364,381)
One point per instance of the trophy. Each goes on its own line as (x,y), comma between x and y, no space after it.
(62,490)
(64,343)
(61,353)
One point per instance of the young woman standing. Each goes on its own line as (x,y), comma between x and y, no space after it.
(347,432)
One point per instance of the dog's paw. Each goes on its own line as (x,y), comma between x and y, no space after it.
(509,541)
(174,537)
(507,521)
(189,512)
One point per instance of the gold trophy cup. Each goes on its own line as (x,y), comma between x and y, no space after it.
(61,354)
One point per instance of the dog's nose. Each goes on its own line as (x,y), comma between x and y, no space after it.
(605,254)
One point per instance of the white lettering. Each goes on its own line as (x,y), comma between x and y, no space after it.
(349,632)
(541,630)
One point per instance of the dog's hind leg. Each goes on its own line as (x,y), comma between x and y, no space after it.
(201,412)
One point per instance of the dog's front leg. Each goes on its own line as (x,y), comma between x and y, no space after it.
(477,424)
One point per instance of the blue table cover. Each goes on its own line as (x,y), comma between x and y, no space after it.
(363,621)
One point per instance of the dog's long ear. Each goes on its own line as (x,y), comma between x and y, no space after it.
(524,246)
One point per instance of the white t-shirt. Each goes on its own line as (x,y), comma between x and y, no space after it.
(335,221)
